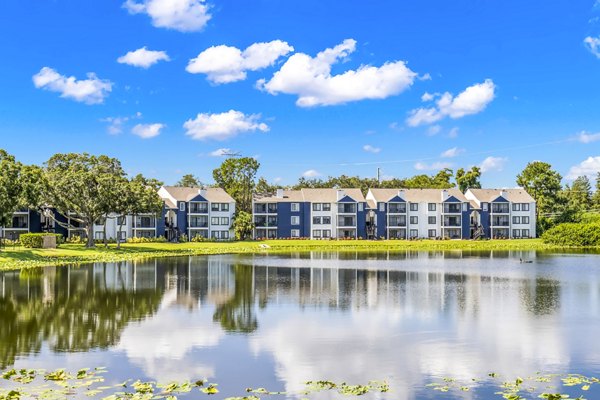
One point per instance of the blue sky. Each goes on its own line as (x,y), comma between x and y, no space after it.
(407,86)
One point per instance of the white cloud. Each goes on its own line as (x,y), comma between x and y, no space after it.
(472,100)
(371,149)
(432,167)
(223,126)
(115,126)
(428,96)
(434,130)
(493,164)
(220,152)
(453,133)
(311,80)
(453,152)
(311,173)
(90,91)
(143,58)
(147,131)
(588,167)
(225,64)
(181,15)
(593,45)
(587,137)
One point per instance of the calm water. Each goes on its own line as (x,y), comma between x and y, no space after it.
(277,321)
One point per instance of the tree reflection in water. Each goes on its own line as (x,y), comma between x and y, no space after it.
(237,313)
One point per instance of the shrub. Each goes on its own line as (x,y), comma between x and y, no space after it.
(573,235)
(76,239)
(159,239)
(36,240)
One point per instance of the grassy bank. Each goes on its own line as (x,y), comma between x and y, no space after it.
(19,257)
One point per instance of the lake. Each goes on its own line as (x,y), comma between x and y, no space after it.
(277,321)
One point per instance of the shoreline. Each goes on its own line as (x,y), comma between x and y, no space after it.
(70,254)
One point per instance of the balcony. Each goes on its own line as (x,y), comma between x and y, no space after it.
(500,221)
(19,222)
(500,208)
(144,222)
(198,223)
(397,221)
(260,222)
(346,222)
(452,208)
(265,208)
(452,222)
(347,208)
(397,208)
(198,208)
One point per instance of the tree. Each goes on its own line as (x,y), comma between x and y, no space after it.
(237,176)
(243,225)
(10,187)
(579,195)
(596,196)
(468,179)
(264,188)
(543,184)
(77,184)
(189,180)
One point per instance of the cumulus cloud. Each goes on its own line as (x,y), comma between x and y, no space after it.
(493,164)
(220,152)
(311,80)
(453,152)
(433,166)
(223,126)
(588,167)
(143,58)
(371,149)
(311,173)
(115,124)
(89,91)
(147,131)
(472,100)
(180,15)
(587,137)
(593,45)
(434,130)
(428,96)
(225,64)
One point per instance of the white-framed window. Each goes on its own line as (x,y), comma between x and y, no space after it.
(295,233)
(381,206)
(465,206)
(524,220)
(431,220)
(182,206)
(295,207)
(414,233)
(224,221)
(326,220)
(295,220)
(317,233)
(431,206)
(525,207)
(224,206)
(326,233)
(525,233)
(360,206)
(225,234)
(316,220)
(484,206)
(214,207)
(214,220)
(432,233)
(516,220)
(516,206)
(414,220)
(326,206)
(414,206)
(122,235)
(317,206)
(516,233)
(98,235)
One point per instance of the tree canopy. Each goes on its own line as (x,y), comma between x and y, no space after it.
(237,176)
(189,180)
(543,184)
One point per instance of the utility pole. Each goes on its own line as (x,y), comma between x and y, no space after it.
(378,175)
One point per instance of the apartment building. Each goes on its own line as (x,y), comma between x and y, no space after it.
(502,213)
(418,213)
(311,213)
(204,212)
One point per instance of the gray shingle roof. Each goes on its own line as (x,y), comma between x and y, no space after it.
(512,195)
(417,195)
(214,195)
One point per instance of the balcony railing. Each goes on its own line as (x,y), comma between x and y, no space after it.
(346,222)
(452,208)
(501,208)
(198,223)
(397,222)
(347,208)
(500,222)
(144,222)
(19,223)
(270,208)
(397,209)
(456,222)
(199,208)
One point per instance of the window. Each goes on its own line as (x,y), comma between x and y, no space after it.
(525,233)
(98,235)
(122,235)
(360,206)
(516,233)
(414,206)
(525,207)
(516,220)
(524,220)
(432,233)
(295,233)
(326,207)
(326,233)
(317,233)
(316,206)
(431,206)
(431,220)
(326,220)
(214,221)
(224,206)
(295,220)
(121,220)
(295,207)
(225,235)
(381,206)
(414,233)
(414,220)
(484,206)
(182,206)
(317,220)
(224,221)
(516,207)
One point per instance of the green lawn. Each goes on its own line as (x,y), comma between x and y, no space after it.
(19,257)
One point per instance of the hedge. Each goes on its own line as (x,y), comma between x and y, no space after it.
(573,235)
(36,241)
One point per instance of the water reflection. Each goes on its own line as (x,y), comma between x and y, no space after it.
(280,320)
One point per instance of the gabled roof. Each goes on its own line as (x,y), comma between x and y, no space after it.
(291,196)
(213,195)
(417,195)
(512,195)
(315,196)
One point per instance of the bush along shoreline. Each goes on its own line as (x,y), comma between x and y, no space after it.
(573,234)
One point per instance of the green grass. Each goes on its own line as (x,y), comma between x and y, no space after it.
(19,257)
